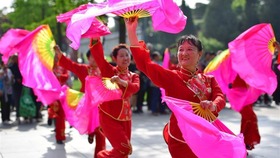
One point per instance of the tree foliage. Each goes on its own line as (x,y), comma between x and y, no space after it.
(162,40)
(216,23)
(269,13)
(220,22)
(210,44)
(29,14)
(225,20)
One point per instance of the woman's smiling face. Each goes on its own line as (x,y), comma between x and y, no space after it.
(188,56)
(123,58)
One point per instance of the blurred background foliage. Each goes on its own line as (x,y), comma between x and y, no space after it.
(215,23)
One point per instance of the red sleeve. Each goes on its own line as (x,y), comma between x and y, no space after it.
(96,50)
(70,65)
(81,70)
(172,66)
(63,78)
(154,71)
(218,97)
(132,87)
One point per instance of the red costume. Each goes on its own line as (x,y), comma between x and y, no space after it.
(179,84)
(55,110)
(249,121)
(115,116)
(82,71)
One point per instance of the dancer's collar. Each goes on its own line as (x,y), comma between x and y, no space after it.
(188,72)
(122,70)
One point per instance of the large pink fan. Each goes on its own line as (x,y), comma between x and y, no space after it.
(66,17)
(215,138)
(78,28)
(35,59)
(129,8)
(85,117)
(251,54)
(8,42)
(221,68)
(166,16)
(95,29)
(169,18)
(102,89)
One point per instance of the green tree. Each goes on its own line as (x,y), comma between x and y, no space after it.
(38,12)
(210,44)
(247,13)
(220,22)
(270,14)
(190,28)
(4,23)
(199,10)
(160,39)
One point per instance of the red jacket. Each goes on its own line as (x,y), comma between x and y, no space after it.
(81,70)
(117,109)
(174,83)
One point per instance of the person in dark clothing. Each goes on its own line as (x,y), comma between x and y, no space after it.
(17,86)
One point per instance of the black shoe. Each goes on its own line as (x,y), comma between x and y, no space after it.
(59,142)
(249,147)
(90,138)
(49,121)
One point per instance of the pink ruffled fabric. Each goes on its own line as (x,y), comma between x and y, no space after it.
(78,27)
(35,74)
(212,140)
(252,58)
(8,42)
(169,18)
(166,59)
(166,16)
(85,116)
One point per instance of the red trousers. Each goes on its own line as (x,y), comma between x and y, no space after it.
(100,141)
(177,149)
(119,134)
(56,111)
(249,126)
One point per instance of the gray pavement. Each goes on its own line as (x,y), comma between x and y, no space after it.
(36,140)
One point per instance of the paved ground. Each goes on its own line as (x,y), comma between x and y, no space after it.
(36,140)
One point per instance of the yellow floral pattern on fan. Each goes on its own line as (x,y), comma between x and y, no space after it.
(140,13)
(271,48)
(204,113)
(73,97)
(43,45)
(108,84)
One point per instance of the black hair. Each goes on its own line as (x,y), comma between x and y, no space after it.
(155,54)
(117,48)
(191,39)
